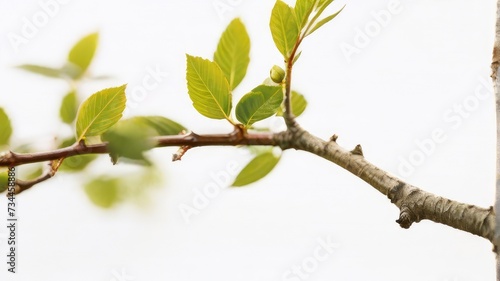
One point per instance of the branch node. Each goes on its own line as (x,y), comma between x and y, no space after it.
(406,217)
(357,150)
(7,157)
(334,138)
(81,143)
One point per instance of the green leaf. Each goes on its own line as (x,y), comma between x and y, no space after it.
(258,168)
(303,9)
(299,104)
(5,128)
(103,192)
(208,88)
(129,138)
(260,103)
(43,70)
(284,28)
(83,52)
(100,111)
(324,21)
(69,107)
(233,52)
(4,179)
(297,56)
(75,163)
(162,125)
(322,5)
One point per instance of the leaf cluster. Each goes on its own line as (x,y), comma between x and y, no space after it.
(210,85)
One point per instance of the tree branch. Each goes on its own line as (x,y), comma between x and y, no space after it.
(22,185)
(414,204)
(237,137)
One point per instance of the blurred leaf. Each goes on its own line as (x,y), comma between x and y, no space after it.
(101,77)
(324,21)
(76,163)
(136,186)
(259,104)
(233,52)
(108,191)
(303,9)
(71,70)
(103,192)
(299,104)
(34,173)
(69,107)
(284,28)
(4,179)
(83,52)
(129,138)
(258,168)
(24,148)
(208,88)
(5,128)
(100,111)
(43,70)
(162,125)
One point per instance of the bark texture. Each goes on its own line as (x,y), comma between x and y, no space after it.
(496,86)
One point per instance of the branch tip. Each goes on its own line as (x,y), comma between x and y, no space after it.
(334,138)
(180,152)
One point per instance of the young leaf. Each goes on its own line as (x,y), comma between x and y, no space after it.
(83,52)
(163,126)
(100,111)
(284,28)
(129,138)
(297,56)
(69,107)
(322,5)
(260,103)
(103,192)
(233,52)
(299,104)
(324,21)
(303,9)
(43,70)
(258,168)
(5,128)
(208,88)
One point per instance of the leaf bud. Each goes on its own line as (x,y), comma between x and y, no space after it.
(277,74)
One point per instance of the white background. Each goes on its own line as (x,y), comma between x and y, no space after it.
(429,57)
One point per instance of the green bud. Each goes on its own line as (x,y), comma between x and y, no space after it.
(277,74)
